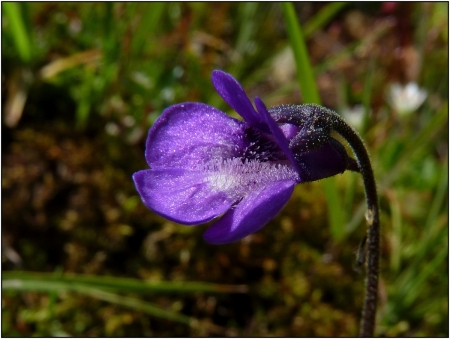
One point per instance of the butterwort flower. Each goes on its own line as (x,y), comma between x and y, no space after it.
(205,164)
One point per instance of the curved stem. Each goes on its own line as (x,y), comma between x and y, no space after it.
(320,120)
(373,234)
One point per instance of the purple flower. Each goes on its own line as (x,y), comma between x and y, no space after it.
(205,164)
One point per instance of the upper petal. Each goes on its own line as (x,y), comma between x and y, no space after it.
(191,133)
(277,133)
(180,195)
(251,214)
(232,92)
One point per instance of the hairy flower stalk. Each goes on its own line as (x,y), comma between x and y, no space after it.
(321,122)
(373,232)
(205,165)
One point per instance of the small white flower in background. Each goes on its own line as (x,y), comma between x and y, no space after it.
(406,99)
(354,116)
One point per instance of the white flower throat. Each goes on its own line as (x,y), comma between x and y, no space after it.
(237,177)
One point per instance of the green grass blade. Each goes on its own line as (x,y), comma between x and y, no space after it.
(18,31)
(248,27)
(323,17)
(336,215)
(139,305)
(414,146)
(411,286)
(438,200)
(350,190)
(310,94)
(305,74)
(367,94)
(157,312)
(36,285)
(417,144)
(110,42)
(48,282)
(397,235)
(144,36)
(103,288)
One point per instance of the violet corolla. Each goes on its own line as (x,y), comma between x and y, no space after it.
(205,164)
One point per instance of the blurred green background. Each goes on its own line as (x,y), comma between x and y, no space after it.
(83,82)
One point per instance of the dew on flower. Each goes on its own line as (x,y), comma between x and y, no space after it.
(241,172)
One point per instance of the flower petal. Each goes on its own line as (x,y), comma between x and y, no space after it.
(328,160)
(191,133)
(251,214)
(180,195)
(277,133)
(232,92)
(290,131)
